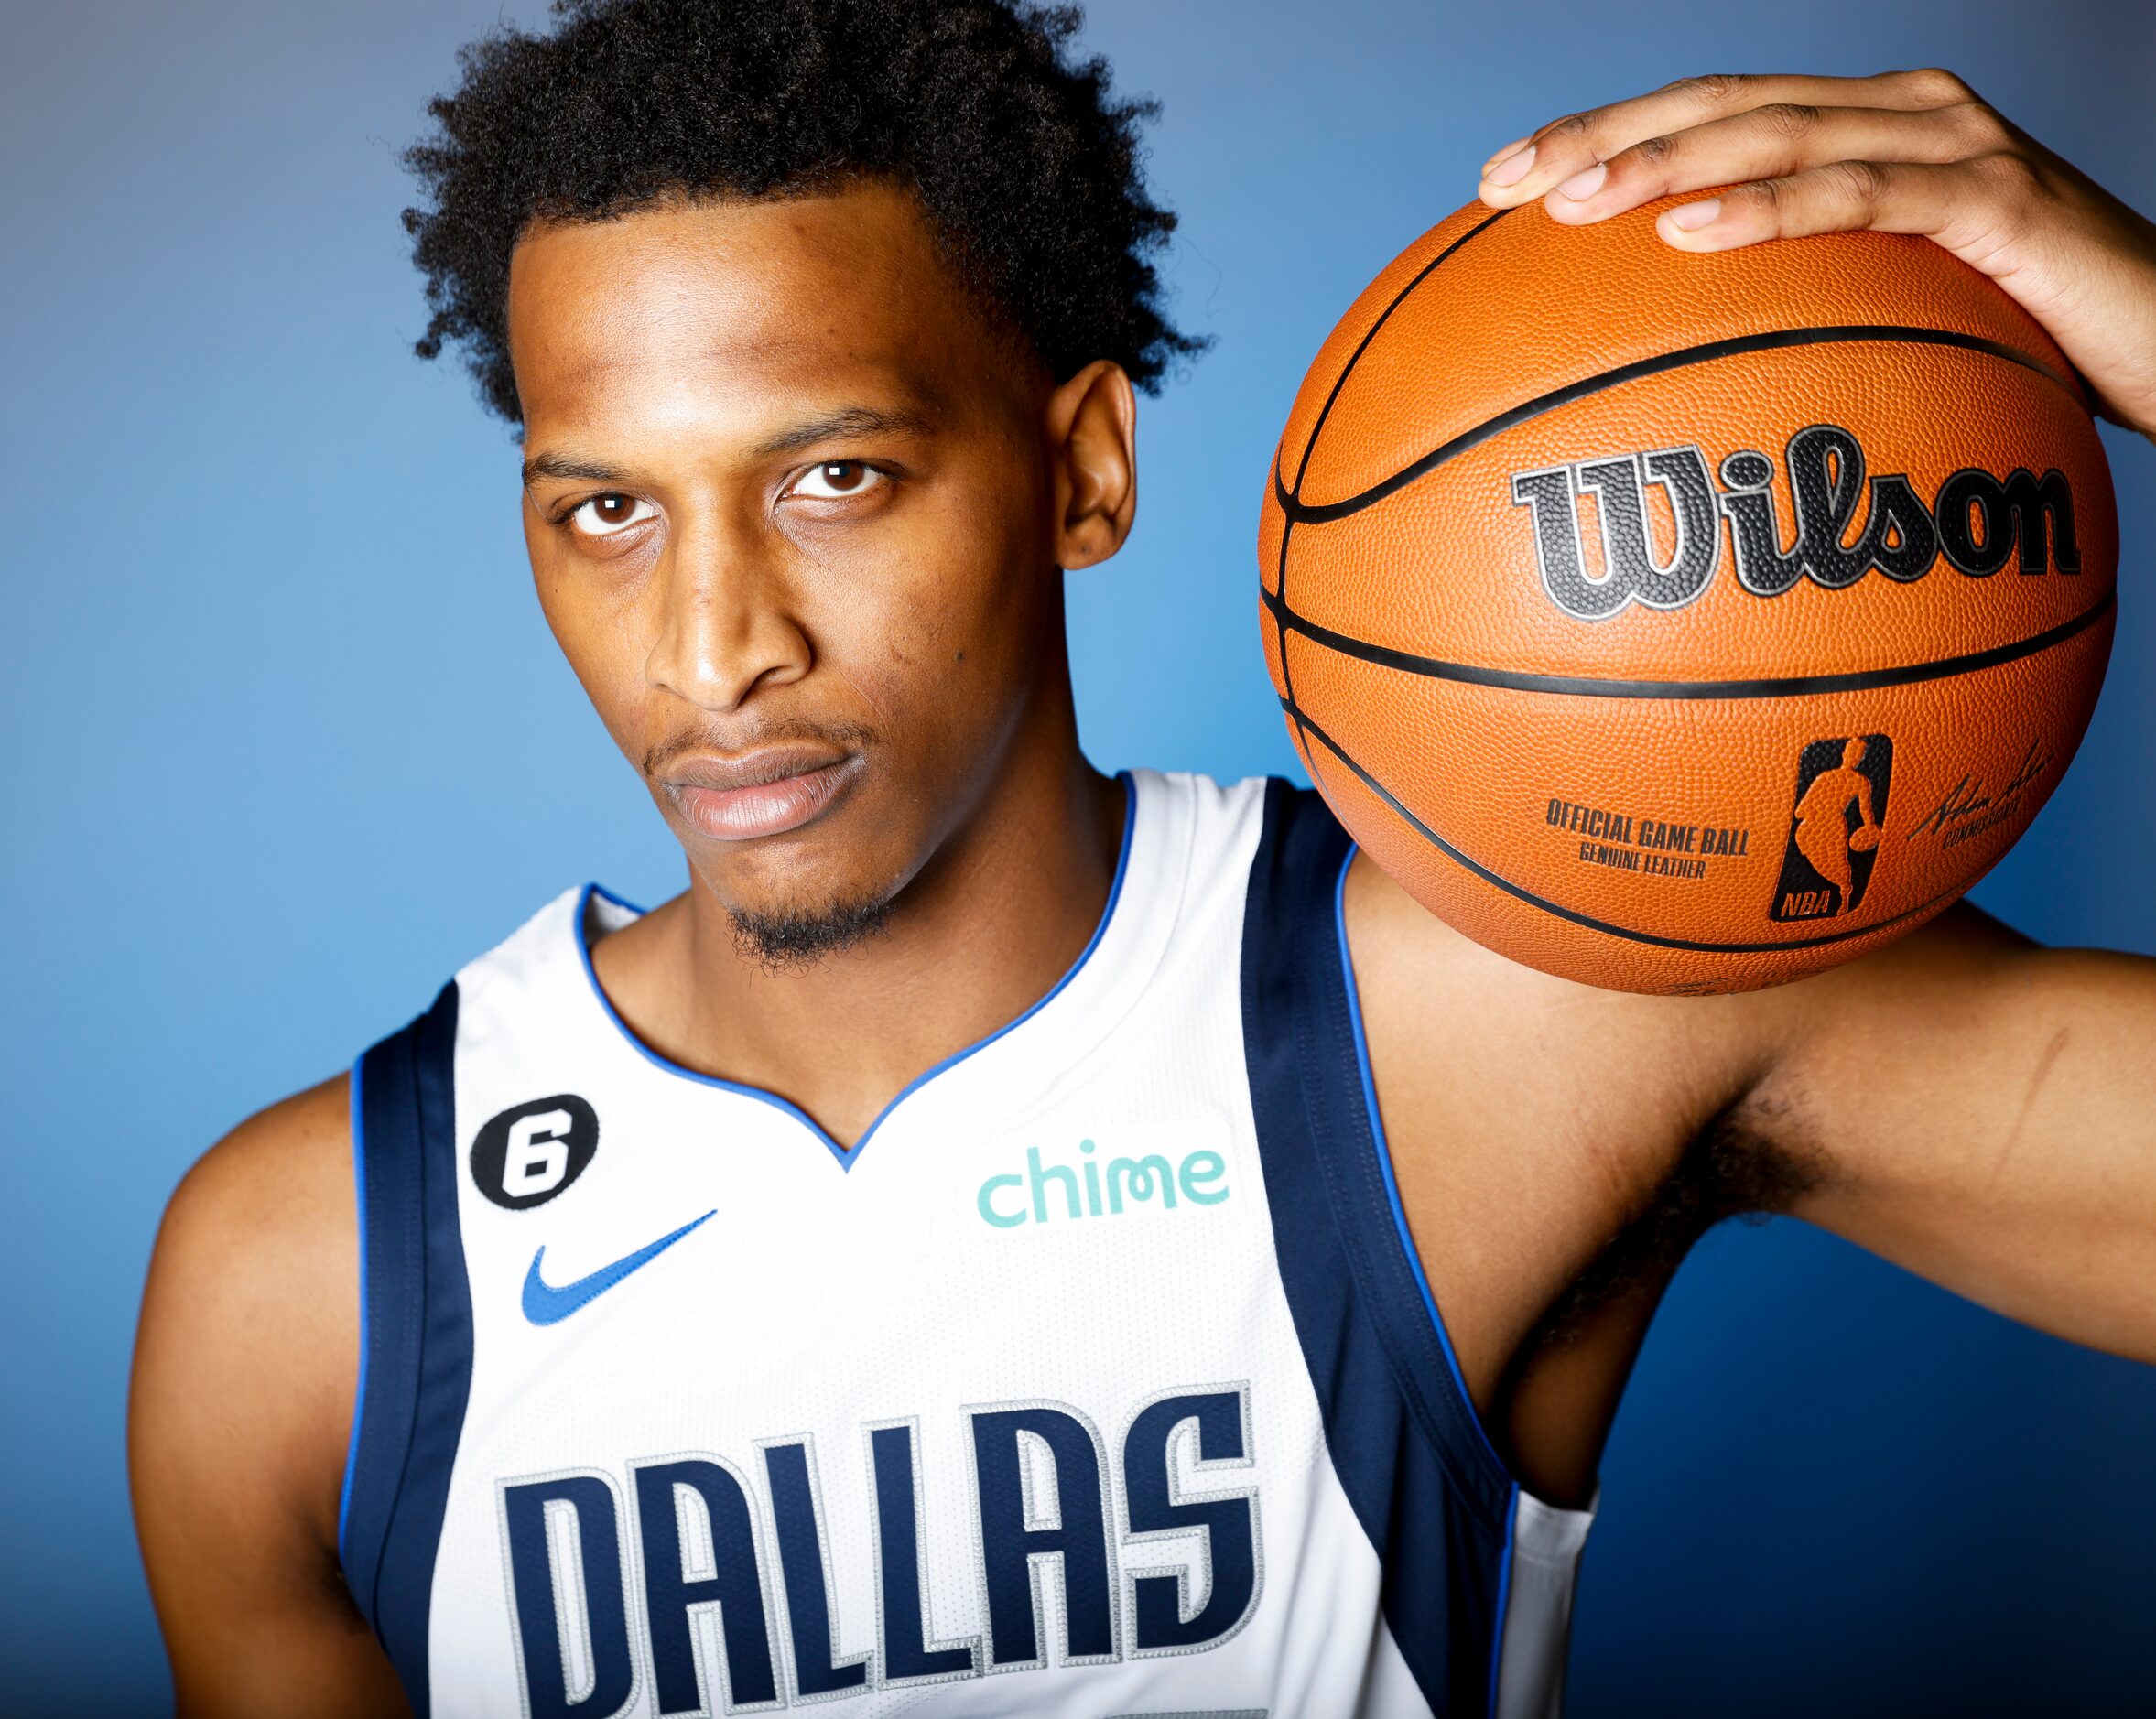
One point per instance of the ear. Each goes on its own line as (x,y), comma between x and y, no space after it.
(1091,434)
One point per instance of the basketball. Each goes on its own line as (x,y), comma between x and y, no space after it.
(1686,623)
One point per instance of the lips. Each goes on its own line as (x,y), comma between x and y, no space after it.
(764,792)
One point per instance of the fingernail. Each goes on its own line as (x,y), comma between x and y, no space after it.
(1584,184)
(1691,217)
(1512,169)
(1496,155)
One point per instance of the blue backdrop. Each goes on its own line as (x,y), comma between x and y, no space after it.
(283,740)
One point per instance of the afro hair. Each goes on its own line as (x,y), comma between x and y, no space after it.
(1027,164)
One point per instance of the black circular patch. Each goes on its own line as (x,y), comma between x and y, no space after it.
(532,1151)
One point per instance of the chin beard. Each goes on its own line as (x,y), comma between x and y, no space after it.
(791,938)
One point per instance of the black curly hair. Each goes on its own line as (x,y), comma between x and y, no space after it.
(1025,160)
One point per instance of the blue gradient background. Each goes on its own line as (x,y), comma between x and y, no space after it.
(283,740)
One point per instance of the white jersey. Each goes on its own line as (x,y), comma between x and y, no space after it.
(1097,1379)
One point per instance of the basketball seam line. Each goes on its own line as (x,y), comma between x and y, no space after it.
(1287,527)
(1363,346)
(1591,686)
(1584,920)
(1298,512)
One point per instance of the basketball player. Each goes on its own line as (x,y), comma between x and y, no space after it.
(1007,1240)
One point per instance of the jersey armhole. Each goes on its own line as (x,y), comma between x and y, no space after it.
(1417,1469)
(1322,1140)
(415,1334)
(1381,1155)
(1542,1542)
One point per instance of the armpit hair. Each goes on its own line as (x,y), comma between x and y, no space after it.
(1733,1168)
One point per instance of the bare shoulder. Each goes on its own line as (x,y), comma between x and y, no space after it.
(1433,996)
(246,1373)
(289,1165)
(1558,1110)
(1558,1148)
(256,1278)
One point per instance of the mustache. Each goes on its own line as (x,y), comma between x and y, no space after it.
(844,737)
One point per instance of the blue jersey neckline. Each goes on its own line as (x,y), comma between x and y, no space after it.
(848,1157)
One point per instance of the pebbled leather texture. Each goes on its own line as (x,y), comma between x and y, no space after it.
(1686,623)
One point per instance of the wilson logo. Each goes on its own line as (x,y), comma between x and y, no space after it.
(1846,524)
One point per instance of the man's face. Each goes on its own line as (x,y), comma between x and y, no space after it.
(789,511)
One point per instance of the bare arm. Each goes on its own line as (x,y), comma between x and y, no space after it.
(1979,1109)
(1983,1112)
(246,1369)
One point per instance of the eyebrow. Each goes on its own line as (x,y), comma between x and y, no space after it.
(565,467)
(853,420)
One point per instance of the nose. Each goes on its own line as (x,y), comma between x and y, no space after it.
(728,627)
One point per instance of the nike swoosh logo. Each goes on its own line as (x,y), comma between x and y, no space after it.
(544,1304)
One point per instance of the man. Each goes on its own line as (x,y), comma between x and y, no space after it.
(979,1250)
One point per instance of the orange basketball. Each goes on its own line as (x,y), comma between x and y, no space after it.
(1686,623)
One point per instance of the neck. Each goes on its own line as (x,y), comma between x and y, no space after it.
(997,914)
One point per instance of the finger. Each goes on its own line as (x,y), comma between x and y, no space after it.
(1506,154)
(1564,148)
(1960,204)
(1773,141)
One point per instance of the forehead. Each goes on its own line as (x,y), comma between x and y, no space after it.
(723,303)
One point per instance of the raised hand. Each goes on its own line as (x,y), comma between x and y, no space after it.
(1915,152)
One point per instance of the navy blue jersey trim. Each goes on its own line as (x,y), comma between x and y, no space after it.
(415,1334)
(1404,1439)
(850,1156)
(359,1397)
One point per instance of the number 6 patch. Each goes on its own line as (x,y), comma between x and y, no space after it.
(531,1152)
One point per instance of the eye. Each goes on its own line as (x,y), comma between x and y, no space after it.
(836,479)
(603,515)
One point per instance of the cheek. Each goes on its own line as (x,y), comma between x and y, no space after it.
(980,584)
(953,645)
(603,643)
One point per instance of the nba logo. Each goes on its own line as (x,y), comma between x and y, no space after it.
(1835,824)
